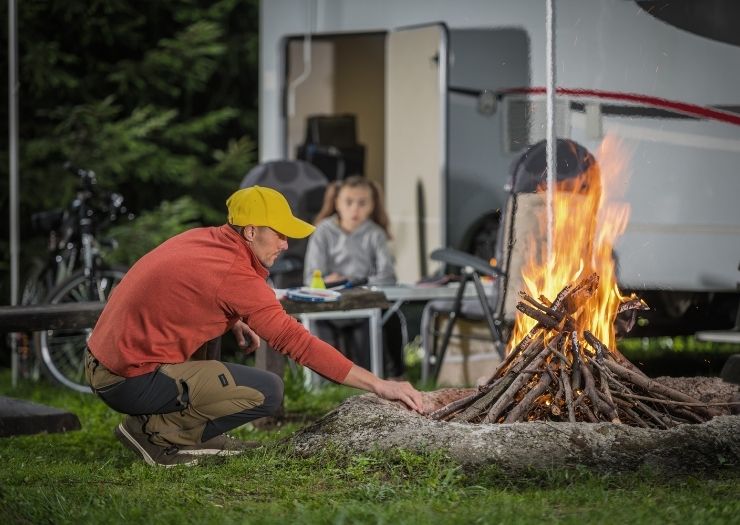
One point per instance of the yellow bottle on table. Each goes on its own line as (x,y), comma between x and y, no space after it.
(317,281)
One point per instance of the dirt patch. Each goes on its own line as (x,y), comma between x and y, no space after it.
(706,389)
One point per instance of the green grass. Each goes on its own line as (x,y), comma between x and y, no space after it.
(88,477)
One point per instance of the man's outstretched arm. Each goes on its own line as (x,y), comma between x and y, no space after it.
(358,377)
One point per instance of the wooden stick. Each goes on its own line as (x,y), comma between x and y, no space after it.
(478,406)
(561,296)
(651,385)
(600,348)
(690,415)
(500,385)
(596,401)
(520,410)
(563,379)
(607,393)
(627,409)
(606,378)
(580,293)
(576,367)
(559,351)
(460,403)
(545,300)
(528,356)
(662,423)
(523,345)
(681,403)
(622,390)
(541,317)
(561,389)
(549,311)
(568,396)
(632,304)
(579,400)
(615,354)
(604,383)
(493,388)
(589,413)
(521,379)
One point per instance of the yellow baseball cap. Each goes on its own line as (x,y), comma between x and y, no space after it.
(260,206)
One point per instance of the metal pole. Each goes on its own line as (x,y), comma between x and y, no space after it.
(13,170)
(551,146)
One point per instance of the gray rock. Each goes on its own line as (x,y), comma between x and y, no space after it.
(365,423)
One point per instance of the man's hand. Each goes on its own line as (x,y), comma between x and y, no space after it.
(358,377)
(400,391)
(245,337)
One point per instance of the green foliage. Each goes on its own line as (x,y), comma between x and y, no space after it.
(647,346)
(88,477)
(677,356)
(153,228)
(158,98)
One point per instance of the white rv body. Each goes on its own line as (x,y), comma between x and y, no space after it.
(684,186)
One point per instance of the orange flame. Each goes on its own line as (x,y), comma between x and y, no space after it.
(588,219)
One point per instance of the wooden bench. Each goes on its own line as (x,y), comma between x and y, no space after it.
(19,417)
(49,316)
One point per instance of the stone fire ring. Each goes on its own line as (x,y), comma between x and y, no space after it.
(366,423)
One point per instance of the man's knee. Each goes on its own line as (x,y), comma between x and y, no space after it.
(270,385)
(273,392)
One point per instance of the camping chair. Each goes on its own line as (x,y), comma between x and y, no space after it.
(471,310)
(519,222)
(303,186)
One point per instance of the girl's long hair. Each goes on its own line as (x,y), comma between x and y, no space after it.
(329,207)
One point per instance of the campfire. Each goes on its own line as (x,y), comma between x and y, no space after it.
(562,363)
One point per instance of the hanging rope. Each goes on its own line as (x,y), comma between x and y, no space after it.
(551,147)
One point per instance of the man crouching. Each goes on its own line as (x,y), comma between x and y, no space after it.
(187,291)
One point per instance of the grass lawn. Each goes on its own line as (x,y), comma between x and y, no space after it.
(88,477)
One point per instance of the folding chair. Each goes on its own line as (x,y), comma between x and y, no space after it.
(473,310)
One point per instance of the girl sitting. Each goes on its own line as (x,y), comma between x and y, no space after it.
(351,243)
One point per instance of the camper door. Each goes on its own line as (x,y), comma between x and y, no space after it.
(416,144)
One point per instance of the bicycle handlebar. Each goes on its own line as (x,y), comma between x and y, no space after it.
(87,177)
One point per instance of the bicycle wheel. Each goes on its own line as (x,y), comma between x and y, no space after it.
(38,281)
(62,351)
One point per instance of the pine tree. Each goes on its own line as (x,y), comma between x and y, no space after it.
(158,98)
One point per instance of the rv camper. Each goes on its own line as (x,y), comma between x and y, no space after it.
(435,100)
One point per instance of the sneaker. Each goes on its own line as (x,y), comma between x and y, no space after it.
(155,455)
(221,445)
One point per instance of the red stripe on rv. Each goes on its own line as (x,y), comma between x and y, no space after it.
(680,107)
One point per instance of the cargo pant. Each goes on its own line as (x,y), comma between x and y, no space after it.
(191,402)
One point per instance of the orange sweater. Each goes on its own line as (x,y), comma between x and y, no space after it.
(191,289)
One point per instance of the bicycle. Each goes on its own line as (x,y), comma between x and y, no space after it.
(74,271)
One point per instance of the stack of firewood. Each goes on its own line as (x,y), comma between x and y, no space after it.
(559,372)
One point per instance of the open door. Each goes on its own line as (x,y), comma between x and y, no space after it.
(416,144)
(342,76)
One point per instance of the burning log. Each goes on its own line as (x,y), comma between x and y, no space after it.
(559,372)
